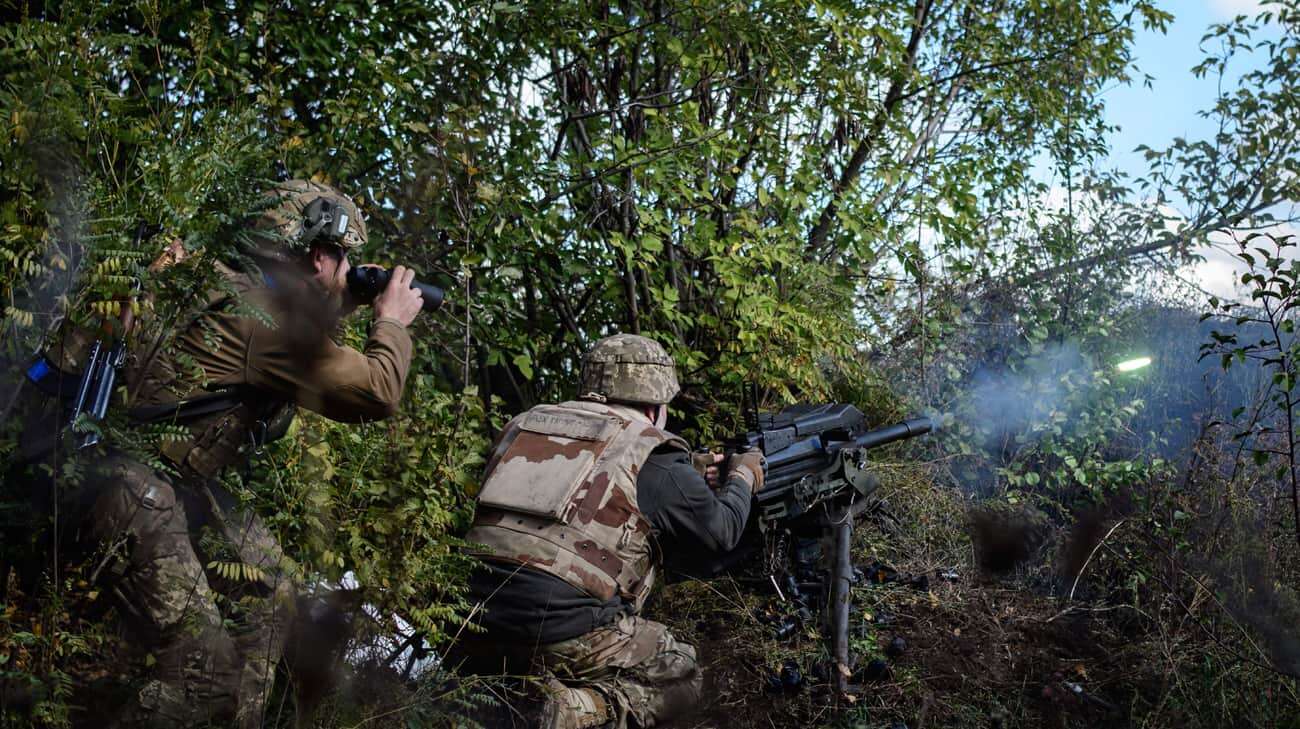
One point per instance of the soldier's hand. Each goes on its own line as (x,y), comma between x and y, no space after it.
(398,300)
(750,467)
(706,463)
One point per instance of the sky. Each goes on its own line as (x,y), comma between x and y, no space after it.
(1155,116)
(1169,108)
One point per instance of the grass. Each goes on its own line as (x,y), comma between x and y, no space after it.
(985,650)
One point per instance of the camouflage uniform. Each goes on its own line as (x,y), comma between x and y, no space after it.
(167,534)
(645,675)
(560,497)
(204,583)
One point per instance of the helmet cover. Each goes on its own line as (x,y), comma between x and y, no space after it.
(628,368)
(284,229)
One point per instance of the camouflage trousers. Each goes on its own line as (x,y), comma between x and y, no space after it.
(204,587)
(644,674)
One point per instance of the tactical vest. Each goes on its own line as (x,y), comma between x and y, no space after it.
(560,496)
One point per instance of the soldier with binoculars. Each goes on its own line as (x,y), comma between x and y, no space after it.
(231,378)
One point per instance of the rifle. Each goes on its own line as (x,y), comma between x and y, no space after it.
(93,389)
(817,480)
(96,386)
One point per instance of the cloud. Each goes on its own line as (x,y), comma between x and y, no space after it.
(1220,271)
(1232,8)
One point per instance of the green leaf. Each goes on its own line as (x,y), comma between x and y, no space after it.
(525,364)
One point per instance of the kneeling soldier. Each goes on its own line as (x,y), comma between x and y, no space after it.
(580,503)
(215,636)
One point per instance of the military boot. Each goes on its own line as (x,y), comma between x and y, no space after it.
(573,708)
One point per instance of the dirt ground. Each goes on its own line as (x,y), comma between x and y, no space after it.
(973,658)
(976,650)
(945,641)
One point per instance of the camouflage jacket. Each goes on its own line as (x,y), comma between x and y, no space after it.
(560,496)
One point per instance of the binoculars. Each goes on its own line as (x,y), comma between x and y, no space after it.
(365,283)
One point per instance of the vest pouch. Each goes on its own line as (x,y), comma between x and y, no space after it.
(550,459)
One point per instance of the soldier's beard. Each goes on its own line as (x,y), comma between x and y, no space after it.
(310,311)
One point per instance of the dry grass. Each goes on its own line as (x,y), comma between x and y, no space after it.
(982,651)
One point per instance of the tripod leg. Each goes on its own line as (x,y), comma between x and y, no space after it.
(838,605)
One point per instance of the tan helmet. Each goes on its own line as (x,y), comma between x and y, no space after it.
(628,368)
(307,211)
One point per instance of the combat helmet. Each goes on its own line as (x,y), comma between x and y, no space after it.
(302,212)
(628,368)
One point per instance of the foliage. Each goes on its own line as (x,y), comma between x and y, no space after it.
(833,200)
(43,652)
(1268,338)
(729,178)
(377,502)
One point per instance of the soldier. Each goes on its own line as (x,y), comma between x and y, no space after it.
(580,503)
(229,377)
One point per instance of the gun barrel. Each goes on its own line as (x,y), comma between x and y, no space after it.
(105,376)
(909,428)
(105,379)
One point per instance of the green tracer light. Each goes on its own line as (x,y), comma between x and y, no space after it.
(1136,363)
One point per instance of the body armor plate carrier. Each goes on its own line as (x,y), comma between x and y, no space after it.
(560,497)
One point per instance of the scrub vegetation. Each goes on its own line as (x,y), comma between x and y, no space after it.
(900,204)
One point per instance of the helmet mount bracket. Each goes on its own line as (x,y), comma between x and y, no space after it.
(324,221)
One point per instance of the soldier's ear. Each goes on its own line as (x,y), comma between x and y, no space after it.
(319,257)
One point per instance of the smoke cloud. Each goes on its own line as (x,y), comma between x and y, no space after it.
(47,295)
(1005,402)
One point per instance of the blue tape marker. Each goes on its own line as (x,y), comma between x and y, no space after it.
(39,369)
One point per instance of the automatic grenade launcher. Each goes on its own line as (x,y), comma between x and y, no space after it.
(817,480)
(816,456)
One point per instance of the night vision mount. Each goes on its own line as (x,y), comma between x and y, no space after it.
(324,220)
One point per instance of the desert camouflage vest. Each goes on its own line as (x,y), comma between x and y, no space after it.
(560,497)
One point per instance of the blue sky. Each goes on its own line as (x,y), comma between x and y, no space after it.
(1169,108)
(1155,116)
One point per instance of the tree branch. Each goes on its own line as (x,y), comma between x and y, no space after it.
(817,237)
